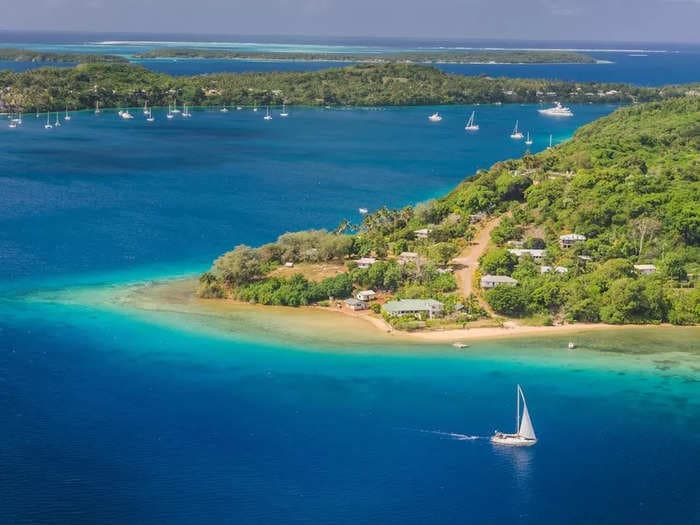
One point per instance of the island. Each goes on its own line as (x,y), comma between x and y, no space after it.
(392,84)
(602,229)
(471,56)
(30,55)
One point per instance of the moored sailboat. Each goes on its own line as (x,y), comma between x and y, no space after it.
(517,134)
(524,435)
(267,114)
(284,111)
(48,122)
(471,126)
(528,140)
(435,117)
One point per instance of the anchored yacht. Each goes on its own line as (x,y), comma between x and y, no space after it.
(557,111)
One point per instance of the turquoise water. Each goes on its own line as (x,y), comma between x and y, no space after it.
(110,416)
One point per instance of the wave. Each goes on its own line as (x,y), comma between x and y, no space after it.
(452,435)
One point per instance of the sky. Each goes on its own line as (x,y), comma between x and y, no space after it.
(568,20)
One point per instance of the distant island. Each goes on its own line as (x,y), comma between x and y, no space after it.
(477,56)
(129,85)
(28,55)
(602,229)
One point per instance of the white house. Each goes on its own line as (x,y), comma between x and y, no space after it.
(356,304)
(366,295)
(429,307)
(537,255)
(645,269)
(569,239)
(555,269)
(365,262)
(422,233)
(491,281)
(289,264)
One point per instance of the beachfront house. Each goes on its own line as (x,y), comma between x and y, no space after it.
(423,233)
(569,239)
(418,307)
(365,262)
(407,257)
(491,281)
(555,269)
(356,304)
(366,295)
(537,255)
(645,269)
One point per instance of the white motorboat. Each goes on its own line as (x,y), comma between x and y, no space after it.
(525,434)
(435,117)
(557,111)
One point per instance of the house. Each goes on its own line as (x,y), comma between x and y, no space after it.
(645,269)
(422,233)
(569,239)
(289,264)
(429,307)
(476,217)
(443,271)
(491,281)
(585,258)
(366,295)
(537,255)
(365,262)
(556,269)
(356,304)
(406,257)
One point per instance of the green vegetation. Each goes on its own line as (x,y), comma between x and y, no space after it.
(629,182)
(29,55)
(422,57)
(121,85)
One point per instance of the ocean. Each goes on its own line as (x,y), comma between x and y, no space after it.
(112,415)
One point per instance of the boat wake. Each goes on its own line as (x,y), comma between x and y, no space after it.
(453,435)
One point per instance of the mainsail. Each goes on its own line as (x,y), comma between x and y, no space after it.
(525,429)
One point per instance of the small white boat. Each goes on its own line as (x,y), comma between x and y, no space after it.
(557,111)
(12,123)
(471,126)
(57,124)
(48,123)
(67,115)
(525,434)
(255,107)
(146,111)
(125,114)
(284,113)
(150,117)
(224,109)
(528,140)
(238,108)
(175,110)
(435,117)
(363,211)
(186,112)
(571,345)
(170,115)
(267,115)
(460,345)
(517,134)
(97,108)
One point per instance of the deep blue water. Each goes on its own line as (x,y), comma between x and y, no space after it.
(111,417)
(101,194)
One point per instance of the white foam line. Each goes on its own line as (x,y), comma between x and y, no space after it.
(452,435)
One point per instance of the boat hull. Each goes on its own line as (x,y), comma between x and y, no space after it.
(512,440)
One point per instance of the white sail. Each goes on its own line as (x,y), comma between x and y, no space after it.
(526,430)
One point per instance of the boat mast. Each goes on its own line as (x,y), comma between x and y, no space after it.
(517,413)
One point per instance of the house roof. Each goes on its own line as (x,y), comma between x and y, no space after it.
(408,254)
(370,292)
(498,279)
(572,237)
(644,267)
(422,231)
(527,251)
(366,260)
(351,301)
(411,305)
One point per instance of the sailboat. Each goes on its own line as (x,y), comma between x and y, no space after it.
(528,140)
(470,123)
(525,433)
(13,122)
(550,142)
(435,117)
(185,111)
(146,111)
(267,115)
(255,107)
(57,124)
(67,116)
(97,108)
(150,117)
(224,109)
(284,113)
(170,115)
(175,110)
(516,135)
(48,123)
